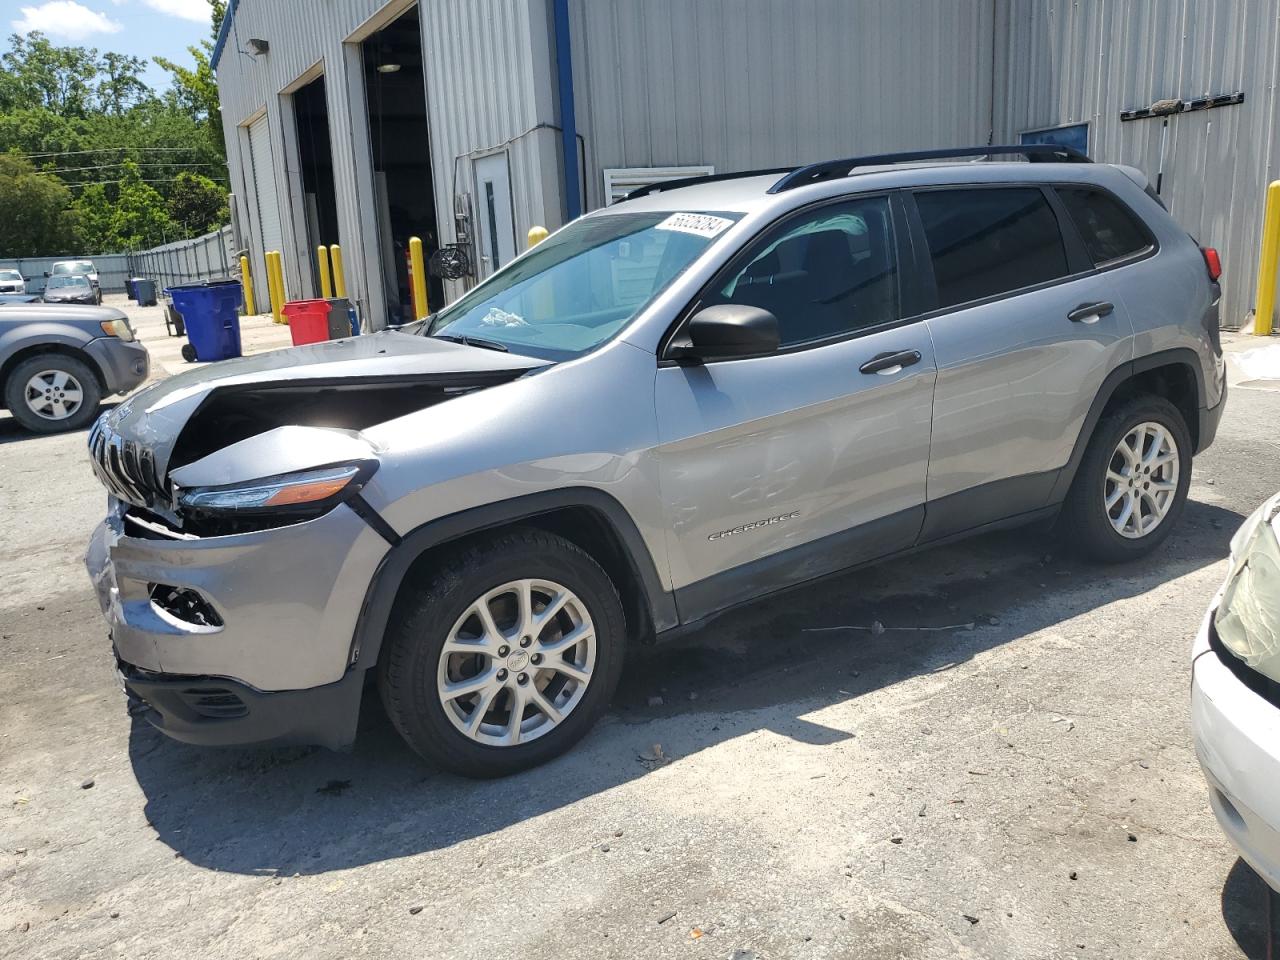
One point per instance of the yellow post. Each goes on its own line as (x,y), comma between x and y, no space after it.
(246,284)
(339,279)
(1268,263)
(326,287)
(420,308)
(537,235)
(275,275)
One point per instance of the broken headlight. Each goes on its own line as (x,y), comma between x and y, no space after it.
(306,491)
(1248,618)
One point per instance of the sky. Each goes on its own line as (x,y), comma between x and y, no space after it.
(142,28)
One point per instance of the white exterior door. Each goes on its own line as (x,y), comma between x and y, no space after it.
(496,230)
(264,185)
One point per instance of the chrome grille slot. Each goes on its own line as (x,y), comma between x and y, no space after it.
(124,467)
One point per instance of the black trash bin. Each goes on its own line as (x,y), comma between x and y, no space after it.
(146,289)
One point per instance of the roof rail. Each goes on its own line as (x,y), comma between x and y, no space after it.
(662,185)
(835,169)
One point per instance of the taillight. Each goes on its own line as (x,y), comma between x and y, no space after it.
(1212,262)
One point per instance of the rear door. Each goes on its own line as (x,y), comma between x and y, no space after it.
(776,469)
(1026,329)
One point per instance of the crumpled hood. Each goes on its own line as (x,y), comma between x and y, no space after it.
(137,438)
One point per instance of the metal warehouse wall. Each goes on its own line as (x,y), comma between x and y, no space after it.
(1087,60)
(488,83)
(758,83)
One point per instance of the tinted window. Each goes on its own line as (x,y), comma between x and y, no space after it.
(989,242)
(1108,229)
(831,272)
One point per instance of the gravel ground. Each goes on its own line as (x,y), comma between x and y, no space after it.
(1022,788)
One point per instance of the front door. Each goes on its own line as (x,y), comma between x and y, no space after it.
(496,232)
(1029,332)
(779,468)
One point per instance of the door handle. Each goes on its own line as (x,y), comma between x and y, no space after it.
(887,364)
(1091,312)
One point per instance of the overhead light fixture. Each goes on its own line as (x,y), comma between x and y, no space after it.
(388,68)
(258,47)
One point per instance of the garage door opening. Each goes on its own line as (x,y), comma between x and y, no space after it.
(399,140)
(320,203)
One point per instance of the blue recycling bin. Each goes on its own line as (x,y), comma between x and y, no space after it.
(129,287)
(209,310)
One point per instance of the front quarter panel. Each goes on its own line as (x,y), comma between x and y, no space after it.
(588,422)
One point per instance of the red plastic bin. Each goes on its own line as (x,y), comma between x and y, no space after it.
(308,320)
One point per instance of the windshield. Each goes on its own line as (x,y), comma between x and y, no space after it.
(72,267)
(578,288)
(59,282)
(10,275)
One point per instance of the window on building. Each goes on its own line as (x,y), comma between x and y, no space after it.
(1109,230)
(829,273)
(988,242)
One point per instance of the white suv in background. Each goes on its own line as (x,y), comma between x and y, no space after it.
(11,281)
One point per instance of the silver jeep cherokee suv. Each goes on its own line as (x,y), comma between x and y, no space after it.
(680,403)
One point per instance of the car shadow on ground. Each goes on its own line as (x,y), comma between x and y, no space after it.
(1251,912)
(11,431)
(309,811)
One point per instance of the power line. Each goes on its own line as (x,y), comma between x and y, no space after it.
(71,153)
(143,163)
(88,183)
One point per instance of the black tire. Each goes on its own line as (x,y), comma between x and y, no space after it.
(1085,522)
(15,392)
(426,612)
(188,353)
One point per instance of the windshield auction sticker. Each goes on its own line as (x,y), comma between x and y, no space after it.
(699,224)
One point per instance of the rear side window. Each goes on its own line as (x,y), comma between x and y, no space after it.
(1109,231)
(988,242)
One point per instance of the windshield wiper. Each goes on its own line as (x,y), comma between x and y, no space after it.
(472,341)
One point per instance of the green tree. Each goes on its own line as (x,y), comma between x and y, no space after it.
(195,93)
(39,74)
(120,86)
(197,204)
(38,219)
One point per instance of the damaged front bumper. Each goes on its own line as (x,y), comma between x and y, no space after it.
(270,615)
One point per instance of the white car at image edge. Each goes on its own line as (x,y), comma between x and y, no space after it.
(1235,694)
(11,281)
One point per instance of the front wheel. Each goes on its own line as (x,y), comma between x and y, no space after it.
(504,656)
(1132,483)
(52,392)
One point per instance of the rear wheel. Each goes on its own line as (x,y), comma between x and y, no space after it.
(1132,483)
(505,656)
(52,392)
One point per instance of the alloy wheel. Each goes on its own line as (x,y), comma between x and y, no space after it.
(1141,483)
(517,662)
(54,394)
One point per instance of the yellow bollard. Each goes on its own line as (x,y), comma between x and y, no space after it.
(420,307)
(1268,263)
(326,287)
(537,235)
(275,272)
(269,267)
(339,279)
(246,285)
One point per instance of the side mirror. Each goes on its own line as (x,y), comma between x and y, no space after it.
(726,330)
(46,274)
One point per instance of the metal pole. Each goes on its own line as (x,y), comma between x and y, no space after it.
(246,285)
(339,277)
(326,285)
(1268,263)
(420,306)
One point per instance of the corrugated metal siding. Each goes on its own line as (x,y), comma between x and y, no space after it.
(488,67)
(489,88)
(1087,60)
(741,84)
